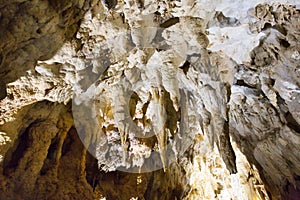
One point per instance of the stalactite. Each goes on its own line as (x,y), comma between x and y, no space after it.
(155,86)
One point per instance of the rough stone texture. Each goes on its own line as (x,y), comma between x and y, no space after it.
(214,84)
(264,105)
(35,30)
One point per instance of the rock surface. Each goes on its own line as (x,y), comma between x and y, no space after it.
(199,99)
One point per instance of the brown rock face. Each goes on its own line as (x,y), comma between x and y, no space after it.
(35,30)
(49,161)
(83,82)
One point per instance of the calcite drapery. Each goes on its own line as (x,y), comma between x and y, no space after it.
(226,73)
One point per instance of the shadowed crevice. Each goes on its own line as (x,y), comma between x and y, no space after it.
(22,145)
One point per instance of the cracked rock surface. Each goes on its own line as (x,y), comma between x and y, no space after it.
(144,99)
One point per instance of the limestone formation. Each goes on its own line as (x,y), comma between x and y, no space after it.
(149,99)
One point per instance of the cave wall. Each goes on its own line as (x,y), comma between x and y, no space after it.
(214,85)
(35,30)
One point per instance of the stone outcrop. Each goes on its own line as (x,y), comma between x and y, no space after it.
(35,30)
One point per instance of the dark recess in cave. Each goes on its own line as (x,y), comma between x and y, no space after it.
(292,123)
(92,171)
(69,141)
(185,67)
(22,144)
